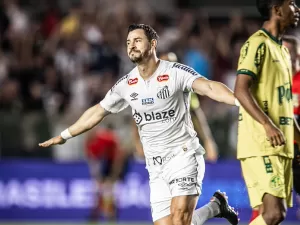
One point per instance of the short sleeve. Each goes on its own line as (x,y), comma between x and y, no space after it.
(113,101)
(252,57)
(185,76)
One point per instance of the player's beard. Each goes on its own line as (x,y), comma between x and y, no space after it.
(140,57)
(294,20)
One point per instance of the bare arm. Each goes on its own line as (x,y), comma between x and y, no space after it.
(204,130)
(87,121)
(243,94)
(247,101)
(205,135)
(137,141)
(214,90)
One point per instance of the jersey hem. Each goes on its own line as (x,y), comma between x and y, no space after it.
(252,156)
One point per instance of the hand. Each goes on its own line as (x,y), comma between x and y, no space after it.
(274,135)
(211,150)
(58,140)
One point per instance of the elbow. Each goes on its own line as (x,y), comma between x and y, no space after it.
(238,94)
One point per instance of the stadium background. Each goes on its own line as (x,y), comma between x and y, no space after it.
(57,58)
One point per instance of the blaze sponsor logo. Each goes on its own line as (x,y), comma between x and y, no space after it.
(137,117)
(162,78)
(164,117)
(132,81)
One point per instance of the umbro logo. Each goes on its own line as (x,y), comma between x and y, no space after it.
(275,60)
(134,96)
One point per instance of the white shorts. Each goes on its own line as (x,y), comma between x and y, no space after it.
(174,175)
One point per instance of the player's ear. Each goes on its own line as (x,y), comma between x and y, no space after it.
(153,43)
(277,10)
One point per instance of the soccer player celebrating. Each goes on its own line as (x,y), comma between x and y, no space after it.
(158,92)
(199,121)
(266,128)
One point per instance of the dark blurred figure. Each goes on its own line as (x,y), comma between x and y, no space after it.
(11,119)
(107,163)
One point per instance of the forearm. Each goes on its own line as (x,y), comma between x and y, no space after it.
(137,141)
(248,102)
(88,120)
(214,90)
(203,128)
(220,92)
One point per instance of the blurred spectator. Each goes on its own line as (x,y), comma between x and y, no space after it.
(50,21)
(11,144)
(107,165)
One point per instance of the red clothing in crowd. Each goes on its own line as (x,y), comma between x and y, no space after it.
(103,145)
(296,93)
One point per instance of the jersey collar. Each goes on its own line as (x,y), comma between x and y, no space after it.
(158,69)
(271,36)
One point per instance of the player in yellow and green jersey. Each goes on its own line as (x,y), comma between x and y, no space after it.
(266,127)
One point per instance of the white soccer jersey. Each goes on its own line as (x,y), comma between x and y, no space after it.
(160,105)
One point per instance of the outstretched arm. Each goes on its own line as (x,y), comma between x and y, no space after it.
(87,121)
(214,90)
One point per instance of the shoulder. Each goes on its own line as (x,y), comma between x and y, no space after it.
(181,68)
(258,40)
(258,37)
(125,80)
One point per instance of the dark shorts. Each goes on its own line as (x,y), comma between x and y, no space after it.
(102,169)
(296,169)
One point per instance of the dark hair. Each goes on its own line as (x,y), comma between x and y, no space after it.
(264,7)
(149,31)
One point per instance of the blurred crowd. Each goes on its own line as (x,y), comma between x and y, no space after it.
(57,58)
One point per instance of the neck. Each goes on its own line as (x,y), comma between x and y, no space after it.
(274,28)
(147,68)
